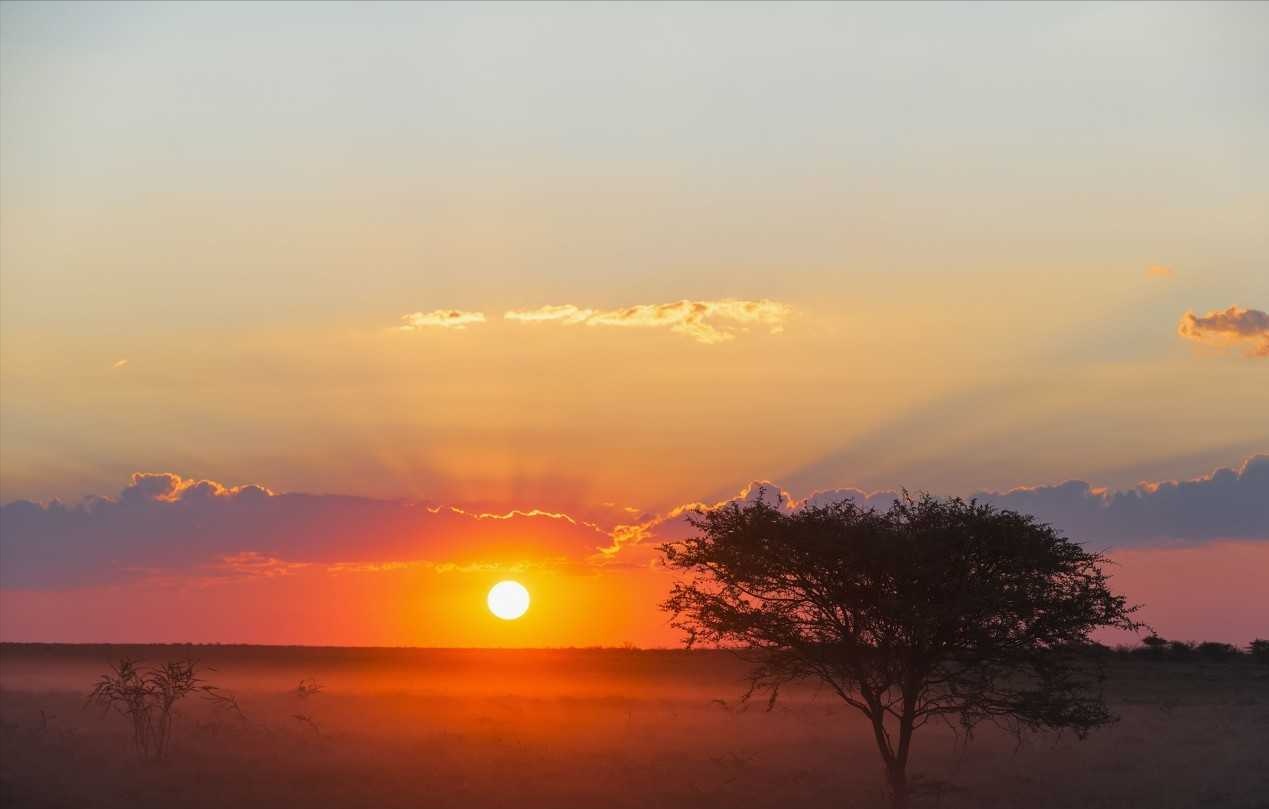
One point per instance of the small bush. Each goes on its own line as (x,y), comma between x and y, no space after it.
(1180,650)
(1215,652)
(1259,650)
(1153,647)
(146,698)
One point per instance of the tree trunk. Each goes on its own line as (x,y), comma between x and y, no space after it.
(897,777)
(895,761)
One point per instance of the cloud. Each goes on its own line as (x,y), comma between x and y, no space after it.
(566,313)
(119,364)
(441,318)
(1227,504)
(1230,325)
(704,321)
(1159,271)
(162,523)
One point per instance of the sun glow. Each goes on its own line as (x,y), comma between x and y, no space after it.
(508,600)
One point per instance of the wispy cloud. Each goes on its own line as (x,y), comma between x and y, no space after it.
(566,313)
(704,321)
(441,318)
(1159,271)
(119,364)
(1232,325)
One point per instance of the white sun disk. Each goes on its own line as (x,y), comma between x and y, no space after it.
(508,600)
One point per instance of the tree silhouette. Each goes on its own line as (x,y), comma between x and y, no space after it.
(1259,650)
(1154,646)
(937,609)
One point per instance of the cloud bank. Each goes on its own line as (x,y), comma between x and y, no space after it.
(1232,325)
(707,322)
(1227,504)
(162,524)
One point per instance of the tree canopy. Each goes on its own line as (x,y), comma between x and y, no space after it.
(937,609)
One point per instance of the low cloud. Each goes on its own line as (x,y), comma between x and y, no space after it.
(162,523)
(1227,504)
(707,322)
(442,319)
(1229,326)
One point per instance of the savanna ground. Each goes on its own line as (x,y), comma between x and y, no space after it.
(589,728)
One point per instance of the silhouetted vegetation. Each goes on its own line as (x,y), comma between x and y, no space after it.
(937,609)
(1156,648)
(309,687)
(147,697)
(1259,651)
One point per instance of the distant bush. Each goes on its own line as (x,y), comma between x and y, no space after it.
(1215,652)
(1157,648)
(308,687)
(147,697)
(1180,650)
(1153,646)
(1259,650)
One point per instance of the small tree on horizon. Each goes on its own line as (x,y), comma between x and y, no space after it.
(1259,650)
(937,609)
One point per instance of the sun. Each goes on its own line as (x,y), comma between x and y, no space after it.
(508,600)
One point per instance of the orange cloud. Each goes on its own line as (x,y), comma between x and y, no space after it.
(167,487)
(441,318)
(707,322)
(1159,271)
(1231,325)
(566,313)
(251,563)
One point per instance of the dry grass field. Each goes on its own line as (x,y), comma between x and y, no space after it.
(589,728)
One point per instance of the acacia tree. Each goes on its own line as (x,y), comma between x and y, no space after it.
(937,609)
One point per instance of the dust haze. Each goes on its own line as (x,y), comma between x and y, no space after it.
(591,727)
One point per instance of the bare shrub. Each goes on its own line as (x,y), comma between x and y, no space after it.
(307,719)
(308,687)
(146,697)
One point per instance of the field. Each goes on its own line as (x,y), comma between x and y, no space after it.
(589,728)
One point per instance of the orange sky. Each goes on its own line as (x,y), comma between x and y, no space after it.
(172,559)
(1206,593)
(295,348)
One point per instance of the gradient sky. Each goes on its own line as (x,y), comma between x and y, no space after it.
(962,248)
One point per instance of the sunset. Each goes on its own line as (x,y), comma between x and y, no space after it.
(634,374)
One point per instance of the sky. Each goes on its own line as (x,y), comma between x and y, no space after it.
(318,319)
